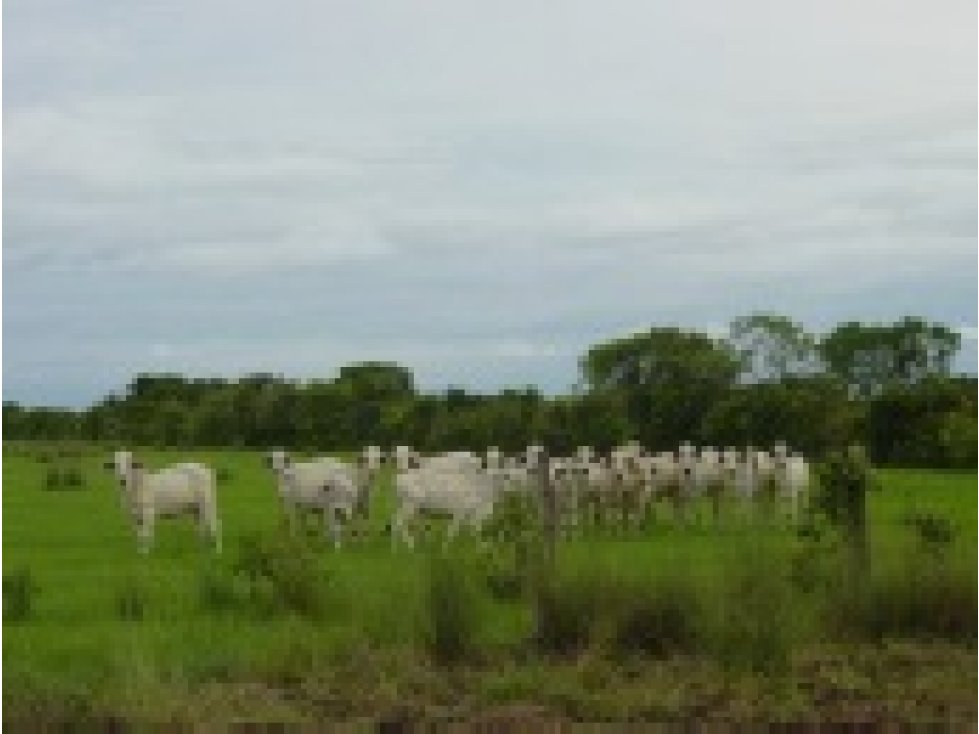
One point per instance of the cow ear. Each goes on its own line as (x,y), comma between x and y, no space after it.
(136,464)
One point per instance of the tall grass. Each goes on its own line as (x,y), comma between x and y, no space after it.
(742,609)
(746,595)
(913,592)
(453,605)
(19,590)
(269,574)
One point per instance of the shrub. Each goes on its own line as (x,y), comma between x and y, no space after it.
(844,478)
(131,601)
(52,479)
(221,590)
(73,478)
(59,477)
(514,545)
(269,575)
(755,617)
(656,616)
(566,605)
(627,611)
(934,532)
(916,592)
(18,595)
(452,607)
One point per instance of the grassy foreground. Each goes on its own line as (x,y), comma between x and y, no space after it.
(738,622)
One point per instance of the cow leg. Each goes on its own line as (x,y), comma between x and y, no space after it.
(145,532)
(336,527)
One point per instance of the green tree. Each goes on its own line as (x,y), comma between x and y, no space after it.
(932,423)
(772,347)
(871,356)
(812,415)
(668,379)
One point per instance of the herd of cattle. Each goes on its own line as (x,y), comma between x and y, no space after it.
(619,488)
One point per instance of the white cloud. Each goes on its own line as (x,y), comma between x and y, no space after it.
(468,188)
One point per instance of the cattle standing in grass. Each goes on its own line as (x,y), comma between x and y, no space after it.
(177,490)
(466,495)
(325,485)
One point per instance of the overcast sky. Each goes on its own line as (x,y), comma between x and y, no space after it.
(478,190)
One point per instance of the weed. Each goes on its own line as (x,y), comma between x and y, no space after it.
(453,607)
(19,589)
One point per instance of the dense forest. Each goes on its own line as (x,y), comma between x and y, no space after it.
(888,386)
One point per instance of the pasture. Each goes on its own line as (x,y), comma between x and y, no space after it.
(111,634)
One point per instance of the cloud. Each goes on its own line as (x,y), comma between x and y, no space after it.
(201,189)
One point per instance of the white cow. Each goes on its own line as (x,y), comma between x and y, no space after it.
(326,485)
(466,495)
(406,459)
(181,489)
(792,478)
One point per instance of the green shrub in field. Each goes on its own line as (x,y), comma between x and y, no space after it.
(919,590)
(73,478)
(131,601)
(61,477)
(453,606)
(18,595)
(270,574)
(753,613)
(222,590)
(52,479)
(844,478)
(514,543)
(624,610)
(936,533)
(566,607)
(655,615)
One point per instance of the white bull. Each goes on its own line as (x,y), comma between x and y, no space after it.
(181,489)
(467,496)
(326,485)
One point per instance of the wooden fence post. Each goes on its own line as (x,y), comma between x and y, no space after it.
(544,563)
(547,504)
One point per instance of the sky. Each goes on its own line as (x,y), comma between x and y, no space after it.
(476,190)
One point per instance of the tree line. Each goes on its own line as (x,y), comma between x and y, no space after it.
(887,386)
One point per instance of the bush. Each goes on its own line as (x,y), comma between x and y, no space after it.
(131,601)
(934,532)
(18,595)
(755,617)
(452,607)
(269,575)
(844,478)
(656,616)
(917,592)
(73,478)
(64,478)
(566,609)
(626,611)
(514,539)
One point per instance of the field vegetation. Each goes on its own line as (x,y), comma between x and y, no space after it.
(744,618)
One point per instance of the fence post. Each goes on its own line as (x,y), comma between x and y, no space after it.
(547,504)
(543,566)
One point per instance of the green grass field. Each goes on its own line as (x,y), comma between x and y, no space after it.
(80,653)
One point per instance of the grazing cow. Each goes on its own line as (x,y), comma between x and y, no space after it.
(177,490)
